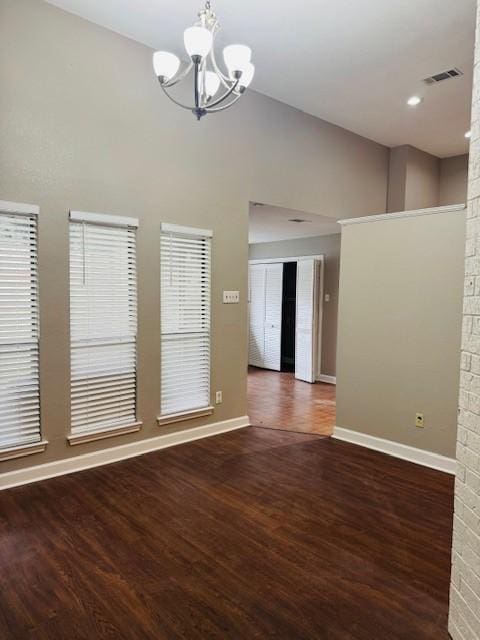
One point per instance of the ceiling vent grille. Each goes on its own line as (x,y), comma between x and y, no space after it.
(298,220)
(444,75)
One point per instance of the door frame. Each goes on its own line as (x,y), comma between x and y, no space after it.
(321,296)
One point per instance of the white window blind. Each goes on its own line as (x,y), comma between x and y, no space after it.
(19,327)
(185,319)
(103,322)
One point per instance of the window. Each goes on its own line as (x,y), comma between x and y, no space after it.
(19,326)
(103,322)
(185,319)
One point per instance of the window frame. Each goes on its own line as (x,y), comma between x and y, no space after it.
(17,449)
(107,221)
(193,412)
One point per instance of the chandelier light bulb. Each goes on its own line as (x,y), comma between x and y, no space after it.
(237,57)
(247,75)
(212,83)
(198,41)
(165,64)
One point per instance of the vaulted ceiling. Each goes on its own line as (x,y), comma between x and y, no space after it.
(351,62)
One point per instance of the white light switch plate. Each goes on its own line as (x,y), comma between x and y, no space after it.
(231,297)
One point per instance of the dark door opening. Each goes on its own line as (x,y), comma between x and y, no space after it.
(289,299)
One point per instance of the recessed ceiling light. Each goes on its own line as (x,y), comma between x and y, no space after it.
(468,134)
(414,101)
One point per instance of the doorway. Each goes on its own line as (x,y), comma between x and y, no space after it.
(292,303)
(285,329)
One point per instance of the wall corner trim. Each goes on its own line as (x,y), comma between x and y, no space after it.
(397,450)
(115,454)
(328,379)
(382,217)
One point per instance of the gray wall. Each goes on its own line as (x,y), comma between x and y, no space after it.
(423,180)
(418,180)
(400,305)
(329,246)
(453,180)
(85,126)
(397,178)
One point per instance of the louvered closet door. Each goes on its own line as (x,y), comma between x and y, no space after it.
(273,316)
(103,322)
(308,273)
(256,307)
(185,319)
(19,331)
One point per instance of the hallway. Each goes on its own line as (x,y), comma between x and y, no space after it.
(277,401)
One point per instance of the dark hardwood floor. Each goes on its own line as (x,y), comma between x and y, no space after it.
(252,534)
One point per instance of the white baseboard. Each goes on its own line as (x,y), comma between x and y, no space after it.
(328,379)
(412,454)
(114,454)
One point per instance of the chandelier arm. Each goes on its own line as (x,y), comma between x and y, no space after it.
(179,104)
(225,106)
(177,79)
(225,95)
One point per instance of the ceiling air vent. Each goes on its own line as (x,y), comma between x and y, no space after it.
(298,220)
(445,75)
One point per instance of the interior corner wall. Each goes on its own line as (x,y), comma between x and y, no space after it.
(397,179)
(464,619)
(414,179)
(422,187)
(399,329)
(85,126)
(453,180)
(329,246)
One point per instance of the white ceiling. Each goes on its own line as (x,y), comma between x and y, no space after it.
(351,62)
(272,224)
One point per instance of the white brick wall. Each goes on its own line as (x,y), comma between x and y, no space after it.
(464,623)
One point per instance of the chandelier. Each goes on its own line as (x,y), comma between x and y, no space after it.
(199,43)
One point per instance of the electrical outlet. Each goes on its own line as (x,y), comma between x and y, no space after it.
(419,420)
(218,397)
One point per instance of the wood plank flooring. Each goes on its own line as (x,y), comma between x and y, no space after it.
(277,401)
(252,534)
